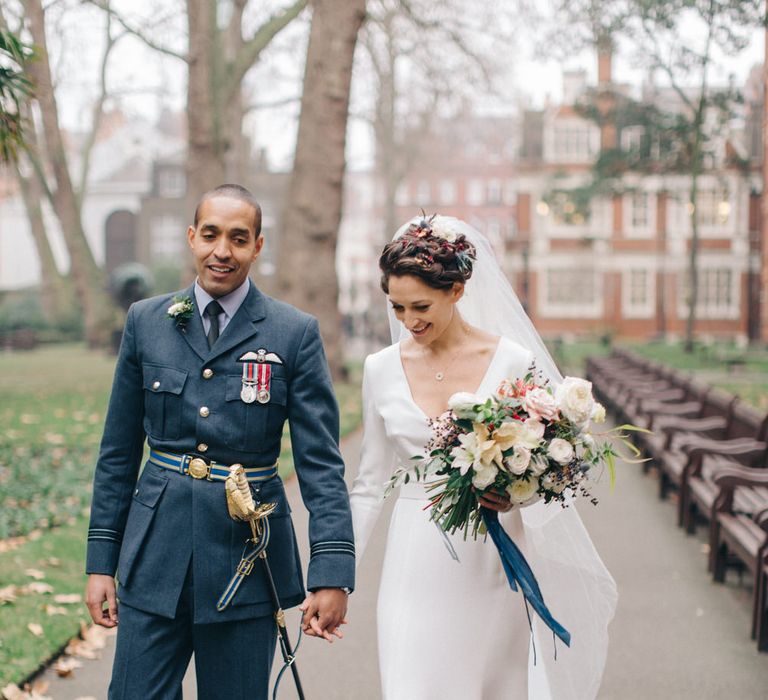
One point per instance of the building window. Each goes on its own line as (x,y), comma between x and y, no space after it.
(494,192)
(171,183)
(570,287)
(493,232)
(475,193)
(510,193)
(572,142)
(718,294)
(423,193)
(713,207)
(638,287)
(639,202)
(632,138)
(167,239)
(401,195)
(447,192)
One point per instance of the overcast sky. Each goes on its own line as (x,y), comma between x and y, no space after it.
(146,81)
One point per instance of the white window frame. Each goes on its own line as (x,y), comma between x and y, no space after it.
(646,307)
(448,192)
(706,309)
(475,192)
(573,307)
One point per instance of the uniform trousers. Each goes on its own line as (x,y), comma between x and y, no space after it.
(233,660)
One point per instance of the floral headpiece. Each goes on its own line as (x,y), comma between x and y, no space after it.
(426,228)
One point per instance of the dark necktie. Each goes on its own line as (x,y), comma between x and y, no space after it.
(212,311)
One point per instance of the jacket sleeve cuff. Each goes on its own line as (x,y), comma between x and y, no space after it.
(102,555)
(332,569)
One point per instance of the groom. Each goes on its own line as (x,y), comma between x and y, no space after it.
(209,378)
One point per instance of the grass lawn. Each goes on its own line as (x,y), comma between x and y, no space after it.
(54,402)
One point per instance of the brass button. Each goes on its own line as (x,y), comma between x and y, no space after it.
(205,411)
(202,447)
(156,385)
(207,373)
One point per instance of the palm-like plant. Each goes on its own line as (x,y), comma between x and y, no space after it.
(15,87)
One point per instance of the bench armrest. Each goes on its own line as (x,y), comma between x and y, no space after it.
(731,476)
(745,448)
(690,425)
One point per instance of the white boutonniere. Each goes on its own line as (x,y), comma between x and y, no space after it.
(181,310)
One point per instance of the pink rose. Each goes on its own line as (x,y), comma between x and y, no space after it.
(541,404)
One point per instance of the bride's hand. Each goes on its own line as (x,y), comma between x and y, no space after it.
(494,500)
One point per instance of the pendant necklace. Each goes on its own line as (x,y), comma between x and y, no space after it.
(440,374)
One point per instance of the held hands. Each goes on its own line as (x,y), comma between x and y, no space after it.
(324,611)
(99,589)
(494,500)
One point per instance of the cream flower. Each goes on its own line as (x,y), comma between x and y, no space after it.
(538,465)
(484,475)
(519,460)
(575,400)
(560,450)
(526,433)
(466,454)
(489,450)
(522,490)
(598,413)
(463,404)
(540,404)
(177,308)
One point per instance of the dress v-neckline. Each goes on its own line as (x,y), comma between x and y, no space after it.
(409,391)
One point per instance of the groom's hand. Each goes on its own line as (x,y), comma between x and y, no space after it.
(324,611)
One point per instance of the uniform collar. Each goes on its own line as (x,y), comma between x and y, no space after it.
(229,302)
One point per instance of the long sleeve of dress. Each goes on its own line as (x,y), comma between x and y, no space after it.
(377,460)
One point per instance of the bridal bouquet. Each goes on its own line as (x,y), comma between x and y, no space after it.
(526,440)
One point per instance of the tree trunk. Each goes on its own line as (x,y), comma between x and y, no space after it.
(56,294)
(205,161)
(88,279)
(307,270)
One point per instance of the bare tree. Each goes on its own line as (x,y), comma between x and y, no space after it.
(307,269)
(218,56)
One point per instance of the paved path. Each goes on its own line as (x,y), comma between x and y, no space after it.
(676,635)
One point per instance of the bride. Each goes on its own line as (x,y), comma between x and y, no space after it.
(449,626)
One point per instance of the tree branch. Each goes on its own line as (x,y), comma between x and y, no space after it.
(133,31)
(252,48)
(98,109)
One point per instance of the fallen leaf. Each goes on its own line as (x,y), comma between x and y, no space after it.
(65,666)
(39,587)
(35,628)
(56,610)
(53,561)
(13,692)
(67,598)
(40,687)
(35,574)
(94,635)
(8,594)
(82,649)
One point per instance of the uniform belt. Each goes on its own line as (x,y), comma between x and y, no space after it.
(199,468)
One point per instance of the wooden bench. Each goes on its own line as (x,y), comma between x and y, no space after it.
(742,539)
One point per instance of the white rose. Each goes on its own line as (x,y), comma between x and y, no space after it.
(538,465)
(540,404)
(519,460)
(575,400)
(522,490)
(175,309)
(484,475)
(463,404)
(560,450)
(598,413)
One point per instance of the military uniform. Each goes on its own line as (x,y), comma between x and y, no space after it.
(167,535)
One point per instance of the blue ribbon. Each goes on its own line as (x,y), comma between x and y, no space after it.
(519,572)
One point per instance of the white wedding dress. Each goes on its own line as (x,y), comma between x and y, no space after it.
(454,630)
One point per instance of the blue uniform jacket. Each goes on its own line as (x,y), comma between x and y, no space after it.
(147,530)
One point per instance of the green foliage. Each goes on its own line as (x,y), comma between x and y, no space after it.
(15,87)
(58,554)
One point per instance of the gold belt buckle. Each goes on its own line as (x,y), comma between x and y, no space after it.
(198,469)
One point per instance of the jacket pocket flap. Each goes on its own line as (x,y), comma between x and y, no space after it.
(149,489)
(158,379)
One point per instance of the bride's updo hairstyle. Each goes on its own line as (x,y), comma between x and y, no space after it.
(435,254)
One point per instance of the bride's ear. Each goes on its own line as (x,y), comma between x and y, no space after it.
(457,291)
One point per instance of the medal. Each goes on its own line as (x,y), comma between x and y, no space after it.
(263,385)
(248,392)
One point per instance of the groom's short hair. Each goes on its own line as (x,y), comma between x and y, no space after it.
(233,191)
